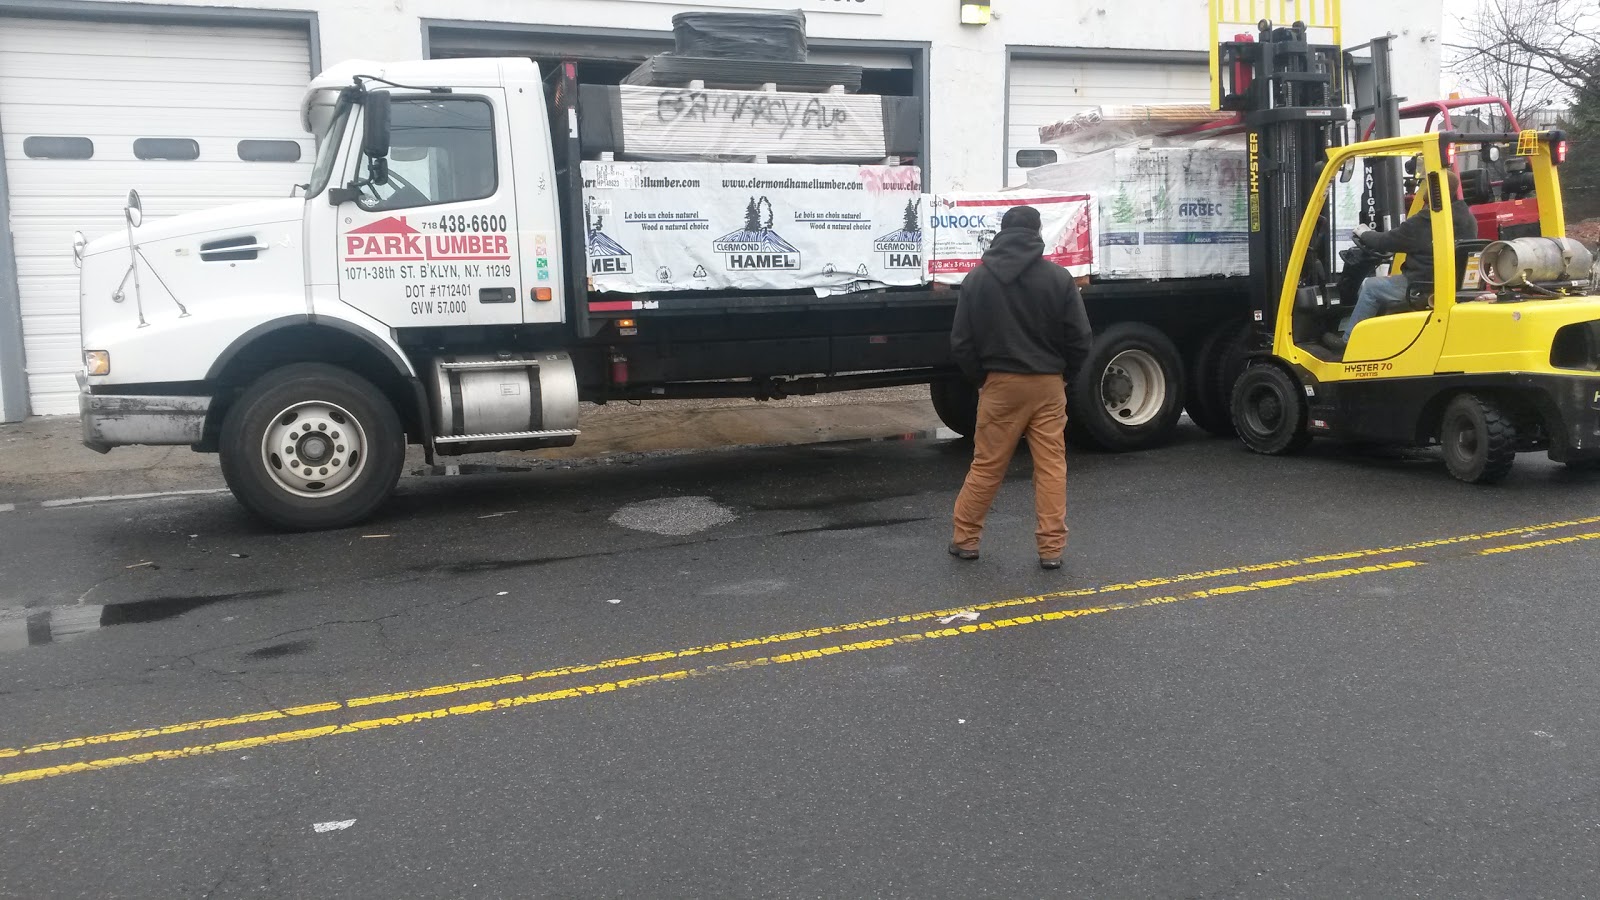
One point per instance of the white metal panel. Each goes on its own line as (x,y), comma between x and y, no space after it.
(114,83)
(1045,91)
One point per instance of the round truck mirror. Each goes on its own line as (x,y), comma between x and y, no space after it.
(134,211)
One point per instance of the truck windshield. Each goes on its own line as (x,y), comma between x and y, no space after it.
(328,151)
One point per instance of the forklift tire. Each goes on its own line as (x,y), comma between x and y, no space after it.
(1269,411)
(1129,394)
(312,446)
(955,401)
(1218,361)
(1479,440)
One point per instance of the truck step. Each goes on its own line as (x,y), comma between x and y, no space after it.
(506,436)
(479,364)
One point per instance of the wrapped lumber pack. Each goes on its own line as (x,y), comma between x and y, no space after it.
(963,224)
(656,227)
(1170,182)
(1164,212)
(742,50)
(1108,127)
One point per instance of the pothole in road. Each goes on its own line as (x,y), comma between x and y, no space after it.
(673,516)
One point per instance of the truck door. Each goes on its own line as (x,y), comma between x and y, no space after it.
(435,244)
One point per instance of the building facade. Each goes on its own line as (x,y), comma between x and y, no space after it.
(195,102)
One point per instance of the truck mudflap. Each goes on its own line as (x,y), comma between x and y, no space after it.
(116,420)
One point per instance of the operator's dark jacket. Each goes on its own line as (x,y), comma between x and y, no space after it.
(1019,313)
(1414,238)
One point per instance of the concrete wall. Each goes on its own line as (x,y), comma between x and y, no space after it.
(968,63)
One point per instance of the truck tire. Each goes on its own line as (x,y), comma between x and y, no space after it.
(955,401)
(1269,411)
(1130,392)
(1479,440)
(312,446)
(1217,363)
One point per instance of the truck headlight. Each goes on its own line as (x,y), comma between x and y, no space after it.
(98,362)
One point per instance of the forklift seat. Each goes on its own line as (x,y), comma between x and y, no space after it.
(1476,188)
(1420,293)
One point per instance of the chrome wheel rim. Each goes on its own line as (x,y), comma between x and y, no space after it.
(314,449)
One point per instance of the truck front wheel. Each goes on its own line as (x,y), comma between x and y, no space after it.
(312,446)
(1130,392)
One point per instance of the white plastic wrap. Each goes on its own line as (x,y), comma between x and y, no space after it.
(1164,212)
(1107,127)
(715,226)
(962,225)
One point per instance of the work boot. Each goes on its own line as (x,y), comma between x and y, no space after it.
(1335,341)
(960,552)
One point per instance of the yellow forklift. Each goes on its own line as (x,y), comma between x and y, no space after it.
(1499,354)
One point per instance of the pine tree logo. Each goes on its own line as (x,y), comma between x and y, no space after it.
(756,246)
(1122,212)
(902,249)
(606,256)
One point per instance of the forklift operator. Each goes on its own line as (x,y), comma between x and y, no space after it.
(1384,294)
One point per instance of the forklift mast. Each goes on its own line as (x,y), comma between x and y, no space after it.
(1290,92)
(1377,116)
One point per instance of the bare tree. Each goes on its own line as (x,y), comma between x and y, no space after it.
(1531,52)
(1490,62)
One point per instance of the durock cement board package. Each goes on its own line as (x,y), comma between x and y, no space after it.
(961,226)
(656,227)
(1164,212)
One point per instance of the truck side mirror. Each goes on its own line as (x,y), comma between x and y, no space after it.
(134,211)
(375,138)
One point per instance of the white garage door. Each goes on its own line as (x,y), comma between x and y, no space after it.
(1043,92)
(192,117)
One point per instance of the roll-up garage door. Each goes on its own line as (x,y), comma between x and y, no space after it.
(191,116)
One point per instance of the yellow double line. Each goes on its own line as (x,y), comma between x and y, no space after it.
(741,665)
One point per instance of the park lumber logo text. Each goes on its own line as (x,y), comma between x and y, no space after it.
(394,240)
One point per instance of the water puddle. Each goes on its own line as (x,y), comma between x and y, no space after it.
(22,627)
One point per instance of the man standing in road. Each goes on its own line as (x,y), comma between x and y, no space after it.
(1020,329)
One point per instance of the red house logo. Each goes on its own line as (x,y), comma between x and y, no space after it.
(394,240)
(389,240)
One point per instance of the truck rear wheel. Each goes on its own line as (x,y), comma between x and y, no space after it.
(312,446)
(1479,440)
(955,401)
(1269,411)
(1217,363)
(1130,392)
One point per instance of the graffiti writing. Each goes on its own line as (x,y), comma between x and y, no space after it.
(755,110)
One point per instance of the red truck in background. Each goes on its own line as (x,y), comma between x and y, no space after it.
(1499,191)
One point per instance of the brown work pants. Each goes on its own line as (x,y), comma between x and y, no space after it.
(1010,406)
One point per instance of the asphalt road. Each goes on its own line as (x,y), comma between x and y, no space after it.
(732,674)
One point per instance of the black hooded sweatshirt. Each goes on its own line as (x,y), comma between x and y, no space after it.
(1019,313)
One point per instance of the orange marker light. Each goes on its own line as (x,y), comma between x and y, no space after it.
(626,323)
